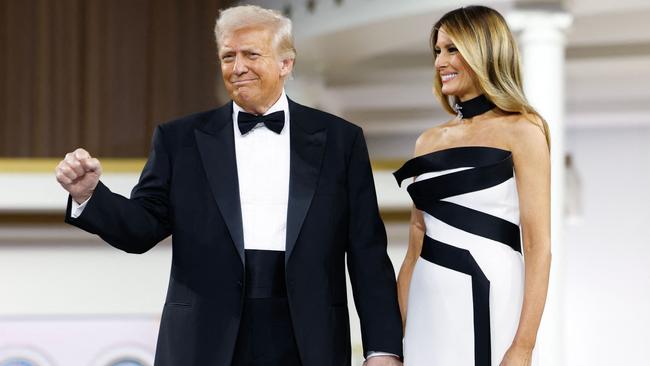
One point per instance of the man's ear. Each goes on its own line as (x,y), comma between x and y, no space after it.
(286,66)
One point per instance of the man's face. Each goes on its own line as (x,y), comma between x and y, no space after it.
(252,71)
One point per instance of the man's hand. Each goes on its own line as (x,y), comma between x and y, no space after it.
(78,173)
(383,361)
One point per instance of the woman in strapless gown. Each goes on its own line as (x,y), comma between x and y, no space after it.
(472,287)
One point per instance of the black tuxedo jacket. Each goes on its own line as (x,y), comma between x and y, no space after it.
(189,189)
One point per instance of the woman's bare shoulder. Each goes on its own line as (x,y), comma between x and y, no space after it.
(430,138)
(526,133)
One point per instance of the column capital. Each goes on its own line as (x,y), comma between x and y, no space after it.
(536,25)
(525,19)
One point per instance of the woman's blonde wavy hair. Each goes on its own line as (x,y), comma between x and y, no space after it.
(483,38)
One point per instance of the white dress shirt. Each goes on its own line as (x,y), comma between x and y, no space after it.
(76,209)
(263,172)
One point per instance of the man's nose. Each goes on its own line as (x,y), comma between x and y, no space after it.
(239,66)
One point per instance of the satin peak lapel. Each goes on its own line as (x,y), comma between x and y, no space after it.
(307,147)
(216,145)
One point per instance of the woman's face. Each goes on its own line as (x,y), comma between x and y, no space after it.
(456,76)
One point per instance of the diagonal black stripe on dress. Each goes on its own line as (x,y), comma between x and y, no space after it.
(467,286)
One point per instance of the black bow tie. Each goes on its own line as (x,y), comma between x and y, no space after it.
(273,121)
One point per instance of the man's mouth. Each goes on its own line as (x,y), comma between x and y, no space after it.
(243,82)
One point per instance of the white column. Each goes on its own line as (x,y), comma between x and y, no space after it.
(307,86)
(542,45)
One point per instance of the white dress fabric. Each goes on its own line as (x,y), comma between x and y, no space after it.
(467,286)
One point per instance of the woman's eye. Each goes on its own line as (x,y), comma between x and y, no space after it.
(452,49)
(436,51)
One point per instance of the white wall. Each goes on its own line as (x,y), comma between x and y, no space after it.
(72,273)
(608,253)
(68,299)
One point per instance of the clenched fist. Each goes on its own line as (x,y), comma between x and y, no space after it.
(78,173)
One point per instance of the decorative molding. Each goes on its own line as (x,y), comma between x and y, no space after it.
(387,165)
(125,165)
(16,219)
(395,215)
(31,218)
(45,165)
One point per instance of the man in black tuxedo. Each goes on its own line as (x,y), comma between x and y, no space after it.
(264,198)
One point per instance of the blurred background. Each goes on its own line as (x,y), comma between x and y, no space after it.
(103,73)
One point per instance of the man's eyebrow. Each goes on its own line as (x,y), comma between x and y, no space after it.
(250,49)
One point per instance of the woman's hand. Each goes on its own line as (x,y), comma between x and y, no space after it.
(517,356)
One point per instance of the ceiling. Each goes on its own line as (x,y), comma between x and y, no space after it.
(374,60)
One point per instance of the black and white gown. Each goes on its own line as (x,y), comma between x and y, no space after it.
(466,291)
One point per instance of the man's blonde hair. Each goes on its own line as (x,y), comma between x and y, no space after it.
(245,16)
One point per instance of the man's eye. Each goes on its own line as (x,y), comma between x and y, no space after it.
(227,58)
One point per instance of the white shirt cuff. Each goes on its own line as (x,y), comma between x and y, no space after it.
(374,354)
(77,209)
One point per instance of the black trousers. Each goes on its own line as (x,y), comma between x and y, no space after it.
(266,336)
